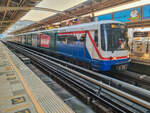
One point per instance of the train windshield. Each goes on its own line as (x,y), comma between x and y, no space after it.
(113,37)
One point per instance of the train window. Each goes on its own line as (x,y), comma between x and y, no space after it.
(104,41)
(67,39)
(83,37)
(62,39)
(72,39)
(78,39)
(23,39)
(113,37)
(29,39)
(96,38)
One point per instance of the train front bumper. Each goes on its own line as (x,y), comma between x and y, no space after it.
(107,65)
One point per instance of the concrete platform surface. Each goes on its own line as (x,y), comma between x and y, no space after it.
(21,91)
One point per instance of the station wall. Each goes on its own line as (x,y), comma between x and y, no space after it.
(104,17)
(128,15)
(139,38)
(146,12)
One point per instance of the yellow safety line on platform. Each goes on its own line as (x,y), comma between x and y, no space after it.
(15,108)
(37,106)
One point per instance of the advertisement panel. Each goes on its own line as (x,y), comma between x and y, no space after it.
(103,17)
(129,15)
(146,12)
(44,40)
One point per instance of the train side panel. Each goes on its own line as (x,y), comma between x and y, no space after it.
(73,46)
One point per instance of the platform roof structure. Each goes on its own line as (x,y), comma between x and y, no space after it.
(86,7)
(12,10)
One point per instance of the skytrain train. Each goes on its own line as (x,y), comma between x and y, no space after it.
(100,45)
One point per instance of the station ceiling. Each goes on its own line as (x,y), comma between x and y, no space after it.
(12,10)
(86,7)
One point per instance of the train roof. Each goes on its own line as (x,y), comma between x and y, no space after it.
(89,24)
(85,25)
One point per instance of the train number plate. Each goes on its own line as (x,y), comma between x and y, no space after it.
(121,67)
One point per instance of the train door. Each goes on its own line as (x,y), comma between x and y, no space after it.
(34,40)
(23,39)
(80,45)
(52,42)
(30,39)
(20,39)
(38,39)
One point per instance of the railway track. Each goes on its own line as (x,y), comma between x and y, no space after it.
(140,68)
(140,80)
(132,77)
(126,76)
(106,90)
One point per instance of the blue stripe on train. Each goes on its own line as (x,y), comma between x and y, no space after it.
(80,52)
(106,65)
(77,51)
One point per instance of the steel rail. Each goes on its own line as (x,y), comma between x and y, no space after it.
(123,101)
(76,82)
(130,87)
(83,88)
(37,59)
(114,90)
(138,77)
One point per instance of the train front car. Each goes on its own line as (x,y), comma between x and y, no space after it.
(113,48)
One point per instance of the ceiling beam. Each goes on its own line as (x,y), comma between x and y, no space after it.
(9,17)
(5,11)
(77,11)
(3,26)
(16,3)
(3,8)
(8,21)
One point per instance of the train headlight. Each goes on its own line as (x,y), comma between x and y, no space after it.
(128,56)
(114,58)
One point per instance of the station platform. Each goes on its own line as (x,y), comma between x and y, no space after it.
(21,91)
(143,59)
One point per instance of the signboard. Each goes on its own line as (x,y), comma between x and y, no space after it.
(146,12)
(129,15)
(103,17)
(44,40)
(140,34)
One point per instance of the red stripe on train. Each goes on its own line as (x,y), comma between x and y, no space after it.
(75,32)
(94,44)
